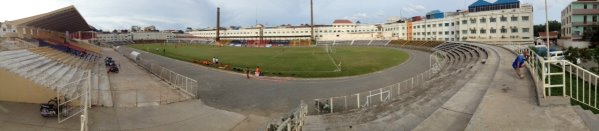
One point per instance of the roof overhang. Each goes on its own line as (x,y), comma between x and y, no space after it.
(61,20)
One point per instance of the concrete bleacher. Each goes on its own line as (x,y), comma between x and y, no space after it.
(379,42)
(58,70)
(361,42)
(343,43)
(15,45)
(409,110)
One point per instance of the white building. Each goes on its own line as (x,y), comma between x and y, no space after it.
(134,36)
(502,21)
(5,28)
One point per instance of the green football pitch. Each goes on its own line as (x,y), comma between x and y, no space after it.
(306,62)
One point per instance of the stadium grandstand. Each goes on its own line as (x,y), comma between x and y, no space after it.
(49,50)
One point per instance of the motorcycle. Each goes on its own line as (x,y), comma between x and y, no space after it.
(322,107)
(51,109)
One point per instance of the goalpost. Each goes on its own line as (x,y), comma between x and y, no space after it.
(329,49)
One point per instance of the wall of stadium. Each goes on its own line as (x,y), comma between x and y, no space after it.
(14,88)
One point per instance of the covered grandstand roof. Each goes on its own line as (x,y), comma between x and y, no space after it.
(61,20)
(479,3)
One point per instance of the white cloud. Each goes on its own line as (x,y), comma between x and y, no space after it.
(178,14)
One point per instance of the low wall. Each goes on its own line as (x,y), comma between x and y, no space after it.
(570,43)
(18,89)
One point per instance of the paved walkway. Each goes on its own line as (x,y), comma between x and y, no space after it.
(133,86)
(511,104)
(182,116)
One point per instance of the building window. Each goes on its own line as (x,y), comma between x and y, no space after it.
(483,20)
(473,21)
(594,18)
(514,30)
(447,24)
(464,22)
(595,6)
(514,18)
(525,30)
(585,6)
(464,32)
(483,31)
(503,19)
(525,18)
(492,19)
(493,31)
(503,30)
(440,25)
(472,31)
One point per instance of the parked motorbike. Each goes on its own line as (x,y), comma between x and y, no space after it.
(322,107)
(51,108)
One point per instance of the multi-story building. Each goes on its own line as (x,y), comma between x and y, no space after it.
(501,21)
(578,16)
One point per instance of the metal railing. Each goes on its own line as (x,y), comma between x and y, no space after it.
(380,95)
(562,78)
(184,83)
(145,97)
(73,98)
(294,121)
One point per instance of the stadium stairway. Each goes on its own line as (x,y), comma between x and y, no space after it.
(419,105)
(54,69)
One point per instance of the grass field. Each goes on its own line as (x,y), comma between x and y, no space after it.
(304,62)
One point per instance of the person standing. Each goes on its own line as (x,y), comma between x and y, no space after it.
(257,73)
(519,63)
(247,72)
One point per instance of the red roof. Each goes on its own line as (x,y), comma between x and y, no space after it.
(342,21)
(552,34)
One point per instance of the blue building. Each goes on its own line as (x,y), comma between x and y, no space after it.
(435,14)
(482,5)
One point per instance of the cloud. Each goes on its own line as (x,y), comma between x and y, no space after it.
(179,14)
(414,8)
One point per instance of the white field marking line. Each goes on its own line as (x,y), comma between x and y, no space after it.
(3,109)
(334,63)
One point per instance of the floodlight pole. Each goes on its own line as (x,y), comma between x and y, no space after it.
(312,21)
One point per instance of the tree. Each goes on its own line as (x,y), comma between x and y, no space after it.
(571,54)
(553,26)
(591,34)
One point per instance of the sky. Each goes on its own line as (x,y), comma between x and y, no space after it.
(179,14)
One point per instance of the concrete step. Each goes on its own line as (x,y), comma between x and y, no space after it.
(78,85)
(455,114)
(38,72)
(105,89)
(26,70)
(590,120)
(16,60)
(406,113)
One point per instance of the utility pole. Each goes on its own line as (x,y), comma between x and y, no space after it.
(218,25)
(547,30)
(312,22)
